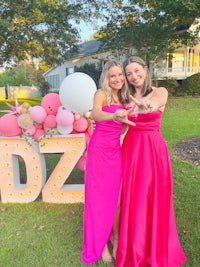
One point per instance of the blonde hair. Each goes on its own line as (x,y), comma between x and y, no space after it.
(147,87)
(123,93)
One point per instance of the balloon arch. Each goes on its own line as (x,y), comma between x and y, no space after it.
(60,116)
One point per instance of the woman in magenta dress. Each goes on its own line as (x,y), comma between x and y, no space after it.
(103,172)
(147,235)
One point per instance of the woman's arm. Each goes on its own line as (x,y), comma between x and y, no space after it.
(99,102)
(159,98)
(156,101)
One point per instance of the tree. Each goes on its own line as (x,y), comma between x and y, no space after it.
(92,70)
(153,27)
(42,29)
(25,74)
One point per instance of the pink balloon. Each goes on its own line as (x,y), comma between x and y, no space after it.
(87,138)
(80,125)
(81,163)
(9,125)
(38,114)
(77,116)
(51,103)
(30,131)
(64,118)
(38,133)
(90,130)
(50,121)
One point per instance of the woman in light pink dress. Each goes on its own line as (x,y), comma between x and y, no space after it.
(103,172)
(147,235)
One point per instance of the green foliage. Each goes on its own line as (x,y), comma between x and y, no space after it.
(92,70)
(153,28)
(43,234)
(188,87)
(171,85)
(191,85)
(23,74)
(44,88)
(42,29)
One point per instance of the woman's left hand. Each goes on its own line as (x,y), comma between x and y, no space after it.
(121,115)
(143,106)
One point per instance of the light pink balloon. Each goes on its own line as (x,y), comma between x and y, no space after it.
(80,125)
(77,116)
(9,125)
(64,118)
(30,131)
(38,114)
(50,121)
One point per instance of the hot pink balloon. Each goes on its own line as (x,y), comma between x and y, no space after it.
(38,114)
(65,118)
(80,125)
(51,103)
(50,121)
(9,125)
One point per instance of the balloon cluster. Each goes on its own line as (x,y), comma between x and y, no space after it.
(59,114)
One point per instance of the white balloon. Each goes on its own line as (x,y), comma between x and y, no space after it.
(65,130)
(77,92)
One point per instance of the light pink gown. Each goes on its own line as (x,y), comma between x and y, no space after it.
(103,176)
(148,236)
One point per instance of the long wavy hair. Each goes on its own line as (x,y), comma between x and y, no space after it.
(123,93)
(147,87)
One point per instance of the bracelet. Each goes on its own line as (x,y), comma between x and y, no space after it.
(113,117)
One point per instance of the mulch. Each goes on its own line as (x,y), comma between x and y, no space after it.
(189,150)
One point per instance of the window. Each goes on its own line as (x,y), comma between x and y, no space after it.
(53,81)
(69,71)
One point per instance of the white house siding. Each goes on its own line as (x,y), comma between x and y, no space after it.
(68,67)
(184,63)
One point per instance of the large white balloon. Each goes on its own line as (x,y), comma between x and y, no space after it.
(77,91)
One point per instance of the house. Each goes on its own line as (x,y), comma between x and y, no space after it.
(88,53)
(180,65)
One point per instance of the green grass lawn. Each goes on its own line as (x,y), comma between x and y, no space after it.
(39,234)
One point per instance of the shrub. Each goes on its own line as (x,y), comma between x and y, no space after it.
(191,85)
(92,70)
(171,85)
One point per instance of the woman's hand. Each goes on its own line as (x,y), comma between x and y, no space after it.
(143,106)
(121,115)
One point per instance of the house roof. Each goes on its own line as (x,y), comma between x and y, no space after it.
(88,48)
(85,49)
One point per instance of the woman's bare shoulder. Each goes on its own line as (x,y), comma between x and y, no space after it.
(160,90)
(100,96)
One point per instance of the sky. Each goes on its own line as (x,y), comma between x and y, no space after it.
(85,31)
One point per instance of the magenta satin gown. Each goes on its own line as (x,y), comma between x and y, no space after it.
(148,236)
(103,176)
